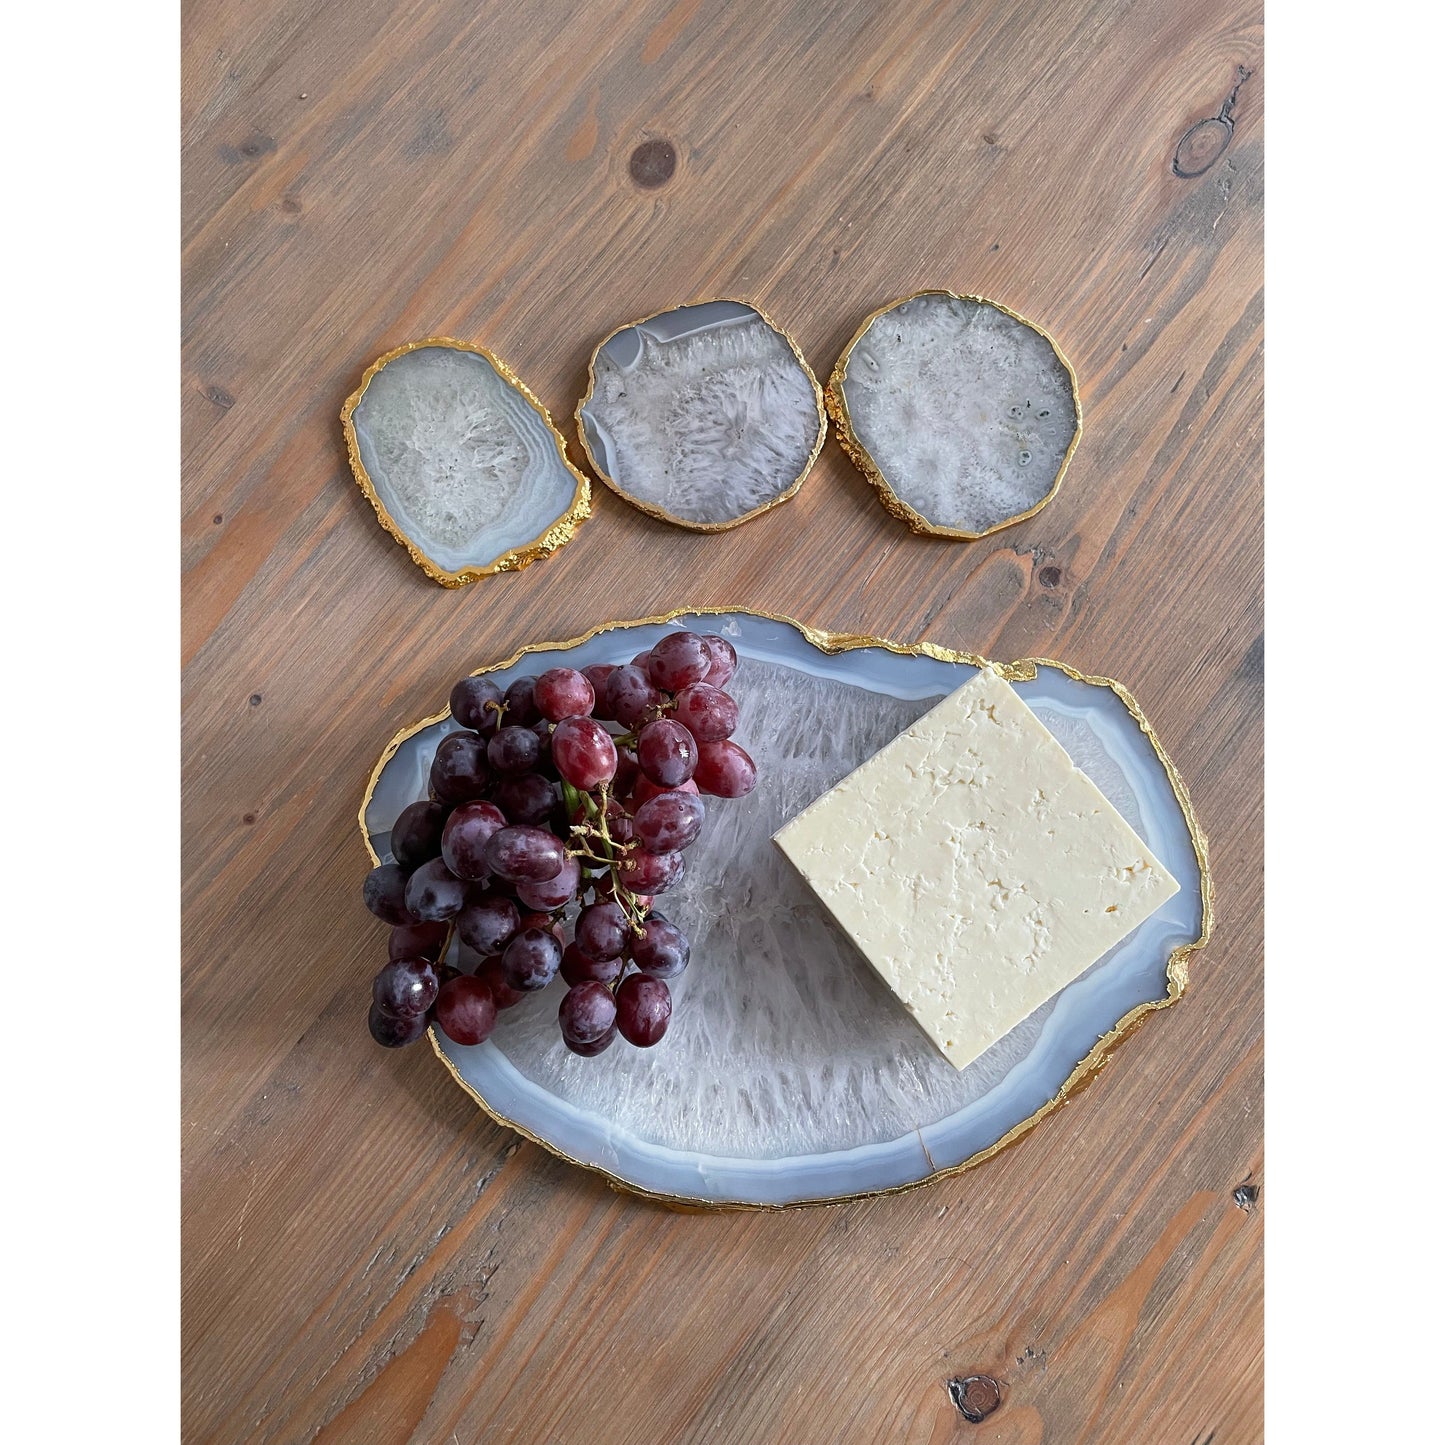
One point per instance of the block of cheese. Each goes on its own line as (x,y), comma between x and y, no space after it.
(975,867)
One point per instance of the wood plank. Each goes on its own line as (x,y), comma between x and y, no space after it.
(367,1258)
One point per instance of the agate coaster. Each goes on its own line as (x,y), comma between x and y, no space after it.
(705,416)
(461,461)
(960,412)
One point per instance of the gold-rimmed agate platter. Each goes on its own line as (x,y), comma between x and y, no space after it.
(790,1075)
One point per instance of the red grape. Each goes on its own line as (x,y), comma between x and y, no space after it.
(662,951)
(465,839)
(601,930)
(459,771)
(627,772)
(552,892)
(667,752)
(522,710)
(542,920)
(503,994)
(527,799)
(513,750)
(670,821)
(466,1010)
(486,923)
(678,659)
(391,1031)
(530,961)
(644,1006)
(590,1051)
(384,893)
(597,676)
(644,789)
(476,703)
(417,940)
(406,987)
(563,692)
(631,699)
(543,731)
(651,872)
(557,820)
(707,712)
(642,659)
(586,1012)
(619,822)
(579,967)
(416,835)
(723,658)
(525,855)
(434,892)
(584,752)
(724,770)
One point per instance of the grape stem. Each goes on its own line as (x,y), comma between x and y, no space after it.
(608,854)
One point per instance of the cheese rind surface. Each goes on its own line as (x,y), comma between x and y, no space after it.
(975,867)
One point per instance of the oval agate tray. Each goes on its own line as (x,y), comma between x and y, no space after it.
(790,1074)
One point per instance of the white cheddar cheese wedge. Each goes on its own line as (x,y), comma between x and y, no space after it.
(975,867)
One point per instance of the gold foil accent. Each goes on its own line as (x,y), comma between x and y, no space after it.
(559,531)
(861,458)
(832,643)
(661,513)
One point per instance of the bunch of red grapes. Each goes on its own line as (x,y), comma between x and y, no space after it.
(568,789)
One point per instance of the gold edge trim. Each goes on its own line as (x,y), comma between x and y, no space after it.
(560,531)
(661,513)
(833,643)
(859,455)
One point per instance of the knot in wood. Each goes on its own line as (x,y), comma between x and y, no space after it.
(977,1396)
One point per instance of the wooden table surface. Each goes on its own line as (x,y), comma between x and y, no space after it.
(366,1257)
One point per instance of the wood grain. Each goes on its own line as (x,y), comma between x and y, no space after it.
(366,1258)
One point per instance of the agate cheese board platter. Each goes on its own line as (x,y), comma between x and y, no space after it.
(790,1074)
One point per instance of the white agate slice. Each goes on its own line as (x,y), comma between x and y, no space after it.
(704,416)
(966,413)
(462,462)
